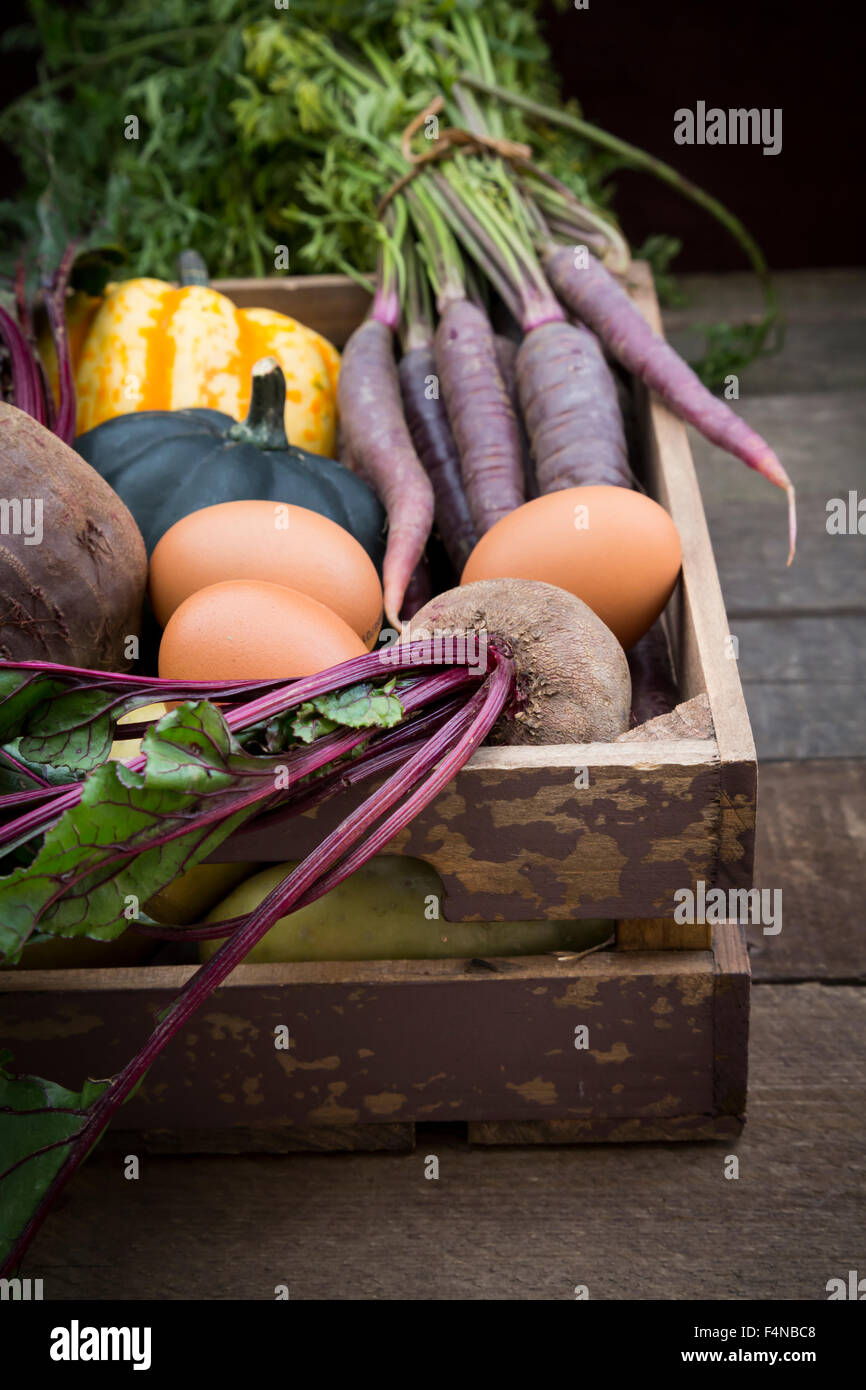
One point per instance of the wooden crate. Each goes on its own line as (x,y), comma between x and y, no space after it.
(378,1048)
(512,837)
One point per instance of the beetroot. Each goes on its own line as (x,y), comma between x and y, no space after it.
(572,678)
(72,560)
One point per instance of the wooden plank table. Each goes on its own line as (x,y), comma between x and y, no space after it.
(629,1221)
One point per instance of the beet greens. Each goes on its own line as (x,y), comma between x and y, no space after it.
(46,274)
(128,828)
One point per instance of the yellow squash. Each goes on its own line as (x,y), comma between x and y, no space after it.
(152,346)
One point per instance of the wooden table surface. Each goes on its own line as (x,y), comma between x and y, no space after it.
(627,1221)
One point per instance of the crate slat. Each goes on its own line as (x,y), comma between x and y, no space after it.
(382,1042)
(512,838)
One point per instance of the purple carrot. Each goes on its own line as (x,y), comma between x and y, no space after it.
(594,295)
(419,590)
(566,392)
(378,439)
(480,412)
(506,356)
(430,429)
(570,405)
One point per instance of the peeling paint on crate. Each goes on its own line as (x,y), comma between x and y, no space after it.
(331,1112)
(537,1090)
(225,1025)
(579,994)
(252,1090)
(695,989)
(386,1103)
(422,1085)
(290,1063)
(523,842)
(618,1053)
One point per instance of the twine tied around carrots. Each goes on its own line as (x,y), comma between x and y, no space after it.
(450,141)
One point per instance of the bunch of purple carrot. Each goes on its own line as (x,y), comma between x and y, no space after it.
(473,421)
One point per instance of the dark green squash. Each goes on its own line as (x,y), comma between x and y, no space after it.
(165,464)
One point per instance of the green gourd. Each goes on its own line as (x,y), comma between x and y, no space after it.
(165,464)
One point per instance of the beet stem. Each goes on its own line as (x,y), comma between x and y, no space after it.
(441,758)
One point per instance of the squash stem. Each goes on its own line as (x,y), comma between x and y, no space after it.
(264,426)
(191,269)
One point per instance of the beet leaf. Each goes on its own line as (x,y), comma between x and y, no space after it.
(207,758)
(131,833)
(32,1150)
(66,716)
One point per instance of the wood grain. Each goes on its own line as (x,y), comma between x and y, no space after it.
(267,1139)
(819,356)
(812,846)
(632,1221)
(663,934)
(698,624)
(512,837)
(731,998)
(675,1129)
(331,304)
(822,443)
(391,1042)
(830,296)
(824,313)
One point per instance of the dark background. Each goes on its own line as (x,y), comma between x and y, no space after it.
(633,64)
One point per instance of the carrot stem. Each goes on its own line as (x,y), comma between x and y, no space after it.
(640,159)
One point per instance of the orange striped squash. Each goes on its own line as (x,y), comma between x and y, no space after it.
(152,346)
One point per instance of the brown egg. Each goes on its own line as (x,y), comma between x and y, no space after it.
(246,629)
(274,542)
(617,550)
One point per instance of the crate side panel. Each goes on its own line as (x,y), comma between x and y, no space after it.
(731,1018)
(522,842)
(705,653)
(331,304)
(479,1047)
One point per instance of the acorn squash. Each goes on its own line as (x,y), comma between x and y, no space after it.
(165,464)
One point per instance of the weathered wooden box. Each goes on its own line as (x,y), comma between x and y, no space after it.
(377,1048)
